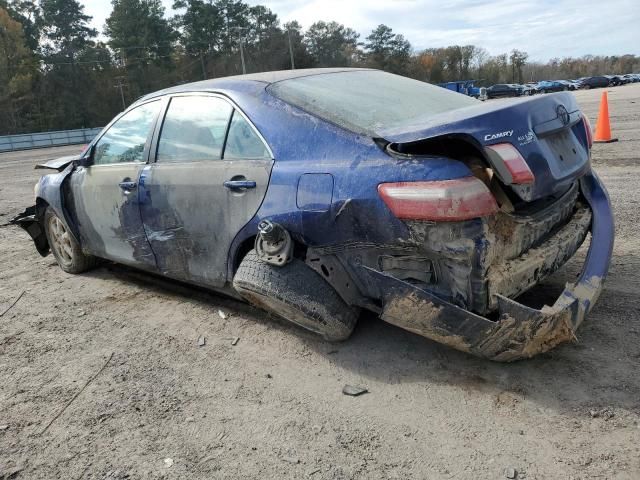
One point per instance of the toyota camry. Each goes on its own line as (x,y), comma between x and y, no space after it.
(314,194)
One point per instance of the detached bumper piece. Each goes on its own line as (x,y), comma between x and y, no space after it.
(28,221)
(520,331)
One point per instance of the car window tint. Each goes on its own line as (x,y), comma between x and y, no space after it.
(243,142)
(193,129)
(125,139)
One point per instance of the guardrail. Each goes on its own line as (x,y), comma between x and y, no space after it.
(26,141)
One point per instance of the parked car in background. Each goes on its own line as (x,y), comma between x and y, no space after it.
(313,194)
(534,87)
(548,86)
(466,87)
(614,80)
(501,90)
(595,82)
(628,78)
(528,90)
(569,84)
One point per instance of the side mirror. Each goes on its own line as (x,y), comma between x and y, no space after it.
(87,158)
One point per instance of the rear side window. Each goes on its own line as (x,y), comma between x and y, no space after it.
(193,129)
(124,141)
(243,142)
(368,101)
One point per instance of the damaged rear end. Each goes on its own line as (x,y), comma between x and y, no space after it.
(486,239)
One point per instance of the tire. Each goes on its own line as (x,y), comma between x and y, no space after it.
(63,245)
(298,294)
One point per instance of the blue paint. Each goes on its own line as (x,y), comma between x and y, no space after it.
(315,191)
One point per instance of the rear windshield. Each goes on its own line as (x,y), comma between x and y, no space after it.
(368,101)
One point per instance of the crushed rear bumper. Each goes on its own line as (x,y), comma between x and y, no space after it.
(520,331)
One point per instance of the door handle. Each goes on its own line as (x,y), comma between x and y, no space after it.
(239,184)
(128,185)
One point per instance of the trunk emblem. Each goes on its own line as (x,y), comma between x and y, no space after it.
(495,136)
(563,115)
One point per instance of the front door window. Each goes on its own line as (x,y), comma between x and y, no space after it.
(125,140)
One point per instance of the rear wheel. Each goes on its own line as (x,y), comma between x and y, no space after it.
(63,245)
(296,293)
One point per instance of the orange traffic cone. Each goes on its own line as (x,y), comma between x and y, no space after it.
(603,129)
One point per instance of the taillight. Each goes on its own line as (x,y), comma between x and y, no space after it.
(587,129)
(442,200)
(520,172)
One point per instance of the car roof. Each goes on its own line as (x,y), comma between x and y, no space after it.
(240,82)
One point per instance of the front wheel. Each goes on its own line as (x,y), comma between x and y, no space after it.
(296,293)
(64,247)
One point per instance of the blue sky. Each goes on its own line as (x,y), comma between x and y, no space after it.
(544,29)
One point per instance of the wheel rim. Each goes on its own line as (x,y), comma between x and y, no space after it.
(60,240)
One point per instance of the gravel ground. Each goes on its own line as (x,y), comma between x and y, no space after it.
(271,405)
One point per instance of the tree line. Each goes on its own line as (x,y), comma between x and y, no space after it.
(57,72)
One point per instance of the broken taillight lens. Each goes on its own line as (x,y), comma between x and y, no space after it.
(442,200)
(520,172)
(587,129)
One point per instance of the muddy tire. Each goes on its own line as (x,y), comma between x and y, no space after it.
(296,293)
(63,245)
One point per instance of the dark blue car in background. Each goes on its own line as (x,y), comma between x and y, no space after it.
(314,194)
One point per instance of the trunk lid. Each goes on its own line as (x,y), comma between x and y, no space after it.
(547,130)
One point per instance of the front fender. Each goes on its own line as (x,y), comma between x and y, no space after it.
(50,193)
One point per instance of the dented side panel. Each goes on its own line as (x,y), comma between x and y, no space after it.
(108,216)
(191,218)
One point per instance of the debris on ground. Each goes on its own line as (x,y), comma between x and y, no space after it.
(511,472)
(202,341)
(605,413)
(235,340)
(168,462)
(77,394)
(14,302)
(222,314)
(353,391)
(294,460)
(11,472)
(4,427)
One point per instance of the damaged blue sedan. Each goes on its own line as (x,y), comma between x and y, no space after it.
(313,194)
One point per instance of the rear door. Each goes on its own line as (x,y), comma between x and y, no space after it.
(105,194)
(210,174)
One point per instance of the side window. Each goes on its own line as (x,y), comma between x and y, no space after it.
(193,129)
(125,139)
(243,142)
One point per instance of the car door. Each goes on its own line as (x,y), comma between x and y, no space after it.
(210,174)
(105,193)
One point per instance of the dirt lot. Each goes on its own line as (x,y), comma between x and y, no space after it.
(271,406)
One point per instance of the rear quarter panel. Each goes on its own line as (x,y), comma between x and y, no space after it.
(304,144)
